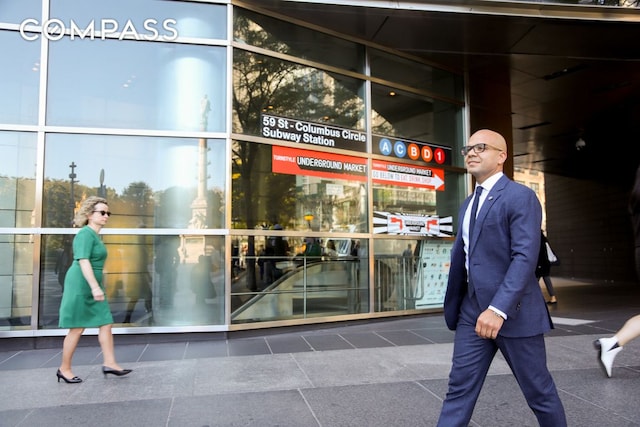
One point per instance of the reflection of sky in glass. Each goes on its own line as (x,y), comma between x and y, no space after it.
(159,162)
(193,19)
(129,84)
(19,79)
(18,155)
(16,11)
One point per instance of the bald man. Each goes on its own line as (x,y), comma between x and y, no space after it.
(493,299)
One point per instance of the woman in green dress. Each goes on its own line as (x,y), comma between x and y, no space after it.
(84,304)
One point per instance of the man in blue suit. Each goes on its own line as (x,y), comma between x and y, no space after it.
(493,299)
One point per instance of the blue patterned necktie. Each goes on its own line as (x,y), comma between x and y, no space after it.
(474,210)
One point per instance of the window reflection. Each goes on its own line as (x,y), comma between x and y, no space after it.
(265,84)
(298,277)
(164,86)
(407,115)
(150,280)
(19,79)
(283,37)
(143,178)
(193,19)
(269,192)
(415,74)
(401,114)
(17,179)
(16,282)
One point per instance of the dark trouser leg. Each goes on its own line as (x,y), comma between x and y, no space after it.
(472,357)
(528,361)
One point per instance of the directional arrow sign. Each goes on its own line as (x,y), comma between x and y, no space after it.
(407,175)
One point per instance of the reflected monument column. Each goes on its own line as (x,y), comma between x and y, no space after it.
(194,246)
(199,205)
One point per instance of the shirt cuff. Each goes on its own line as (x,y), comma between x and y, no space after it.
(495,310)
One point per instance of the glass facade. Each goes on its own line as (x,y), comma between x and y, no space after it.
(19,80)
(270,85)
(151,280)
(258,170)
(164,86)
(180,186)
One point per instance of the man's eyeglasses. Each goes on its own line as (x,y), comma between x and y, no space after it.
(478,148)
(103,213)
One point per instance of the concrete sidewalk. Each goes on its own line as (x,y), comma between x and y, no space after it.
(383,373)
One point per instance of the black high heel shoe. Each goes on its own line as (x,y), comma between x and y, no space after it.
(74,380)
(116,372)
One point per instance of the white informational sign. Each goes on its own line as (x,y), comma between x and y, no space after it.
(432,272)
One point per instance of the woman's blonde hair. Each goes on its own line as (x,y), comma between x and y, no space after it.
(86,208)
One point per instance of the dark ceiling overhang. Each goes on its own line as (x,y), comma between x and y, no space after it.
(574,69)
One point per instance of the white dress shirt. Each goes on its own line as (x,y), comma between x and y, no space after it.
(487,185)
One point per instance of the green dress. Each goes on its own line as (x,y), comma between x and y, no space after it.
(78,309)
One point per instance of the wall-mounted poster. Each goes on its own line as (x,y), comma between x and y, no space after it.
(432,272)
(412,224)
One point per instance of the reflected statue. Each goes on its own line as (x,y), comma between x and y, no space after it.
(198,220)
(205,109)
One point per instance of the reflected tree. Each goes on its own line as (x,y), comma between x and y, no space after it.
(174,207)
(262,84)
(259,86)
(137,203)
(58,210)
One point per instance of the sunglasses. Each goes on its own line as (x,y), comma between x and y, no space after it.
(103,213)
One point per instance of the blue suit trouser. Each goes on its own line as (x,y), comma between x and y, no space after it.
(472,357)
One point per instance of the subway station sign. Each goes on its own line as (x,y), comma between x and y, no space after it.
(310,133)
(411,150)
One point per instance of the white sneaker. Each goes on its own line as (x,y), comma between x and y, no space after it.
(606,354)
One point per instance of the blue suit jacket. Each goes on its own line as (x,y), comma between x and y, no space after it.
(503,257)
